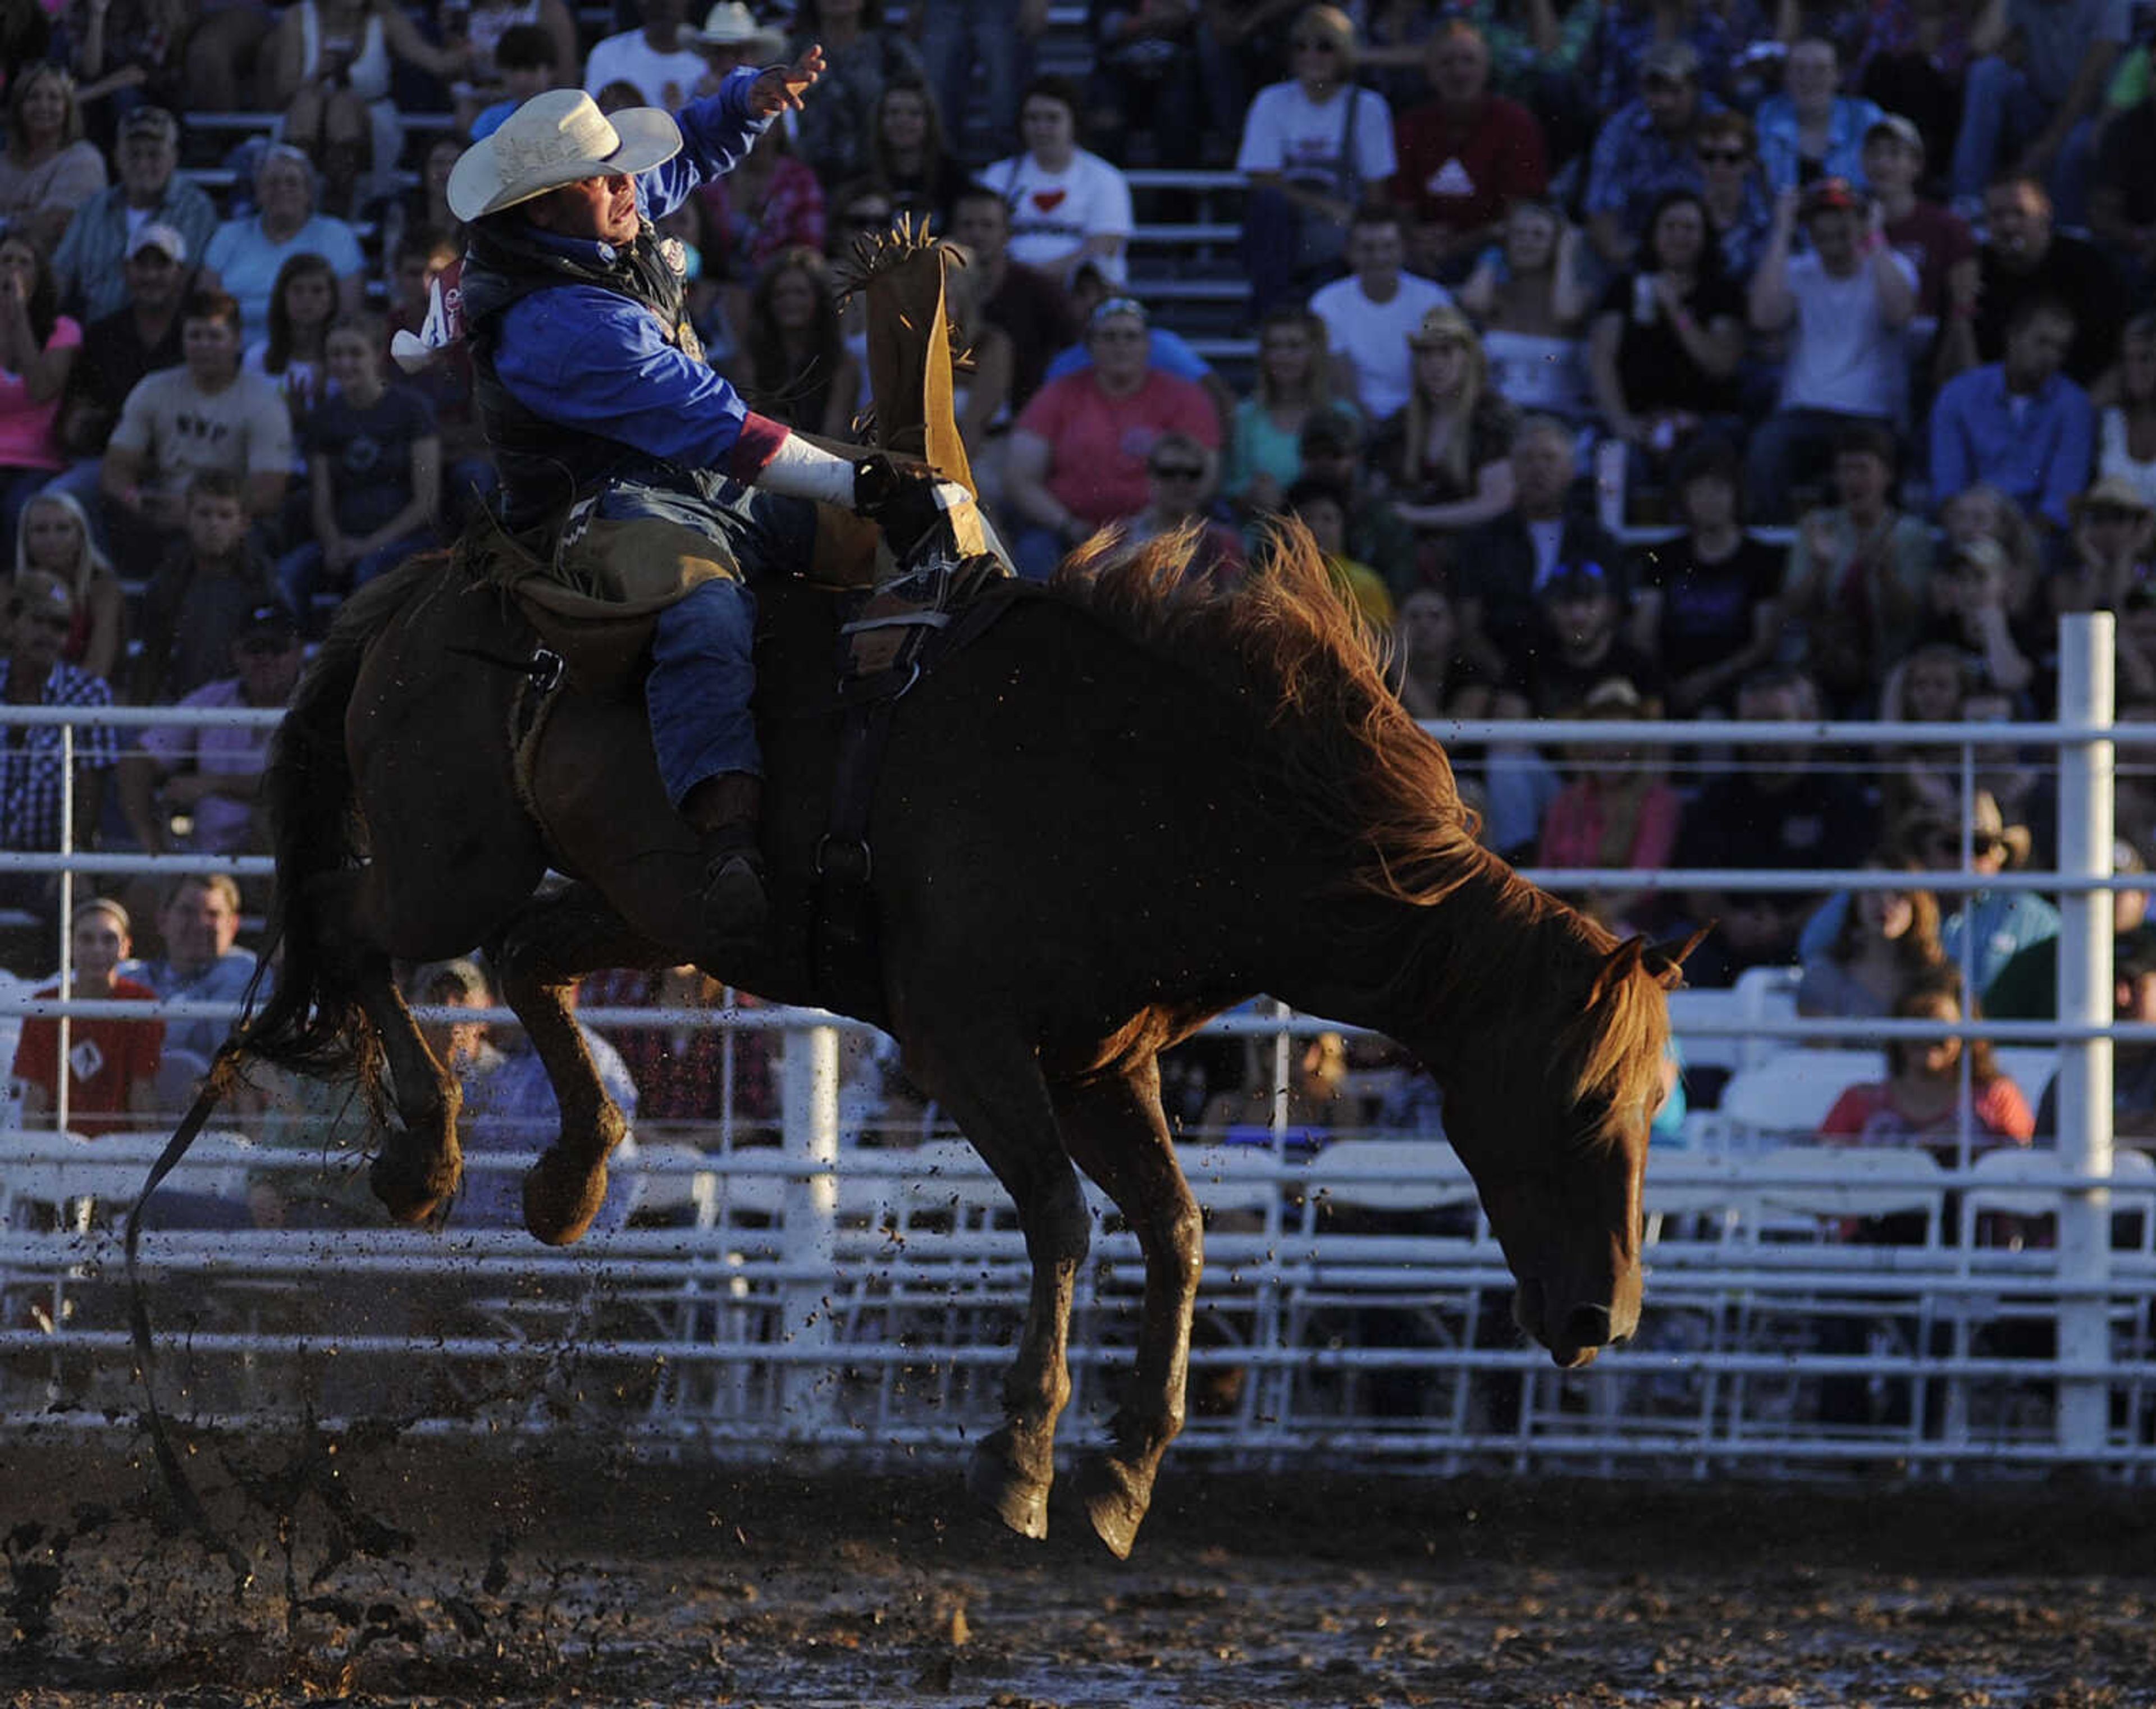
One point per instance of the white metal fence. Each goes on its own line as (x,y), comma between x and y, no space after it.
(1806,1305)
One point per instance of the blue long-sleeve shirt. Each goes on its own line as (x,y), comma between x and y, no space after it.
(2038,453)
(1781,151)
(591,359)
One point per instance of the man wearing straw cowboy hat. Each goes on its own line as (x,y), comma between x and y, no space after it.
(601,413)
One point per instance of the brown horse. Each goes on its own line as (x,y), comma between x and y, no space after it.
(1122,809)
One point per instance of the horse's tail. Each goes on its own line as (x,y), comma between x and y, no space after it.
(313,1022)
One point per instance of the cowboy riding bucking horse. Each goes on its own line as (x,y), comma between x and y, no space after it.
(625,454)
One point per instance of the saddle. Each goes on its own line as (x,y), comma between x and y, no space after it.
(595,598)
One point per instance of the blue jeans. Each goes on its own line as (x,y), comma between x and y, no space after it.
(2000,111)
(956,34)
(300,571)
(1284,266)
(1793,450)
(703,663)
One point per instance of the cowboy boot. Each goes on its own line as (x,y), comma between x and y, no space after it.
(736,907)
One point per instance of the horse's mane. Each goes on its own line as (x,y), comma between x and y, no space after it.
(1289,643)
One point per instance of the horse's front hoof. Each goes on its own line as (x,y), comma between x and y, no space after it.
(1021,1502)
(560,1197)
(408,1190)
(1115,1505)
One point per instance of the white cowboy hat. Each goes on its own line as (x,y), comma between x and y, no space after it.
(552,140)
(731,24)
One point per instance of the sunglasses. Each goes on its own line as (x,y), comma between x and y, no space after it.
(1723,157)
(1947,846)
(57,625)
(263,646)
(1316,45)
(1178,471)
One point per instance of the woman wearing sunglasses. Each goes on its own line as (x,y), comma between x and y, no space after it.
(1314,148)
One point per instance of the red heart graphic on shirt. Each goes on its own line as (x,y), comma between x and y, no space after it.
(1048,201)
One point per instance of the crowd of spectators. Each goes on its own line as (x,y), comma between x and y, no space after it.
(1639,358)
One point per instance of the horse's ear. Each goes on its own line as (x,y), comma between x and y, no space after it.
(1623,962)
(1666,960)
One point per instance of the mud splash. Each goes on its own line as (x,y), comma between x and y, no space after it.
(474,1572)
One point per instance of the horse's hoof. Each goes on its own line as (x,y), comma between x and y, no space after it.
(1115,1505)
(1019,1502)
(560,1200)
(409,1194)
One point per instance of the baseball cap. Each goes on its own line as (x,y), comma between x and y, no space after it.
(150,122)
(1675,61)
(271,622)
(1111,308)
(103,905)
(1582,577)
(156,234)
(1900,129)
(38,593)
(1833,193)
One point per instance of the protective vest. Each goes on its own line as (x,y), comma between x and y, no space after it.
(544,464)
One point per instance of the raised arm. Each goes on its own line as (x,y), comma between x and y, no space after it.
(1890,275)
(1771,303)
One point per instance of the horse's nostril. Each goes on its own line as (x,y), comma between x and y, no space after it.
(1587,1326)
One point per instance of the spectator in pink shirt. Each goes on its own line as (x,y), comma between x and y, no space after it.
(1078,453)
(38,346)
(1617,811)
(1921,1098)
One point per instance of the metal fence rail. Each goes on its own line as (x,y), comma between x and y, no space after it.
(863,1300)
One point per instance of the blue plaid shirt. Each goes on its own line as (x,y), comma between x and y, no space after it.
(30,771)
(1634,162)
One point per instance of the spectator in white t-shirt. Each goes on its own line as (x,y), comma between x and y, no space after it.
(659,60)
(1314,148)
(1369,315)
(1844,301)
(1067,205)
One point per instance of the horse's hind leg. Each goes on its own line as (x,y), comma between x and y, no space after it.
(538,955)
(1116,1131)
(1000,1101)
(419,1164)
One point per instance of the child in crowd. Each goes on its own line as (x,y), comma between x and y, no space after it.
(111,1065)
(1322,508)
(374,470)
(198,602)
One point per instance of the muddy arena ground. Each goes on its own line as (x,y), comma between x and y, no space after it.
(396,1571)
